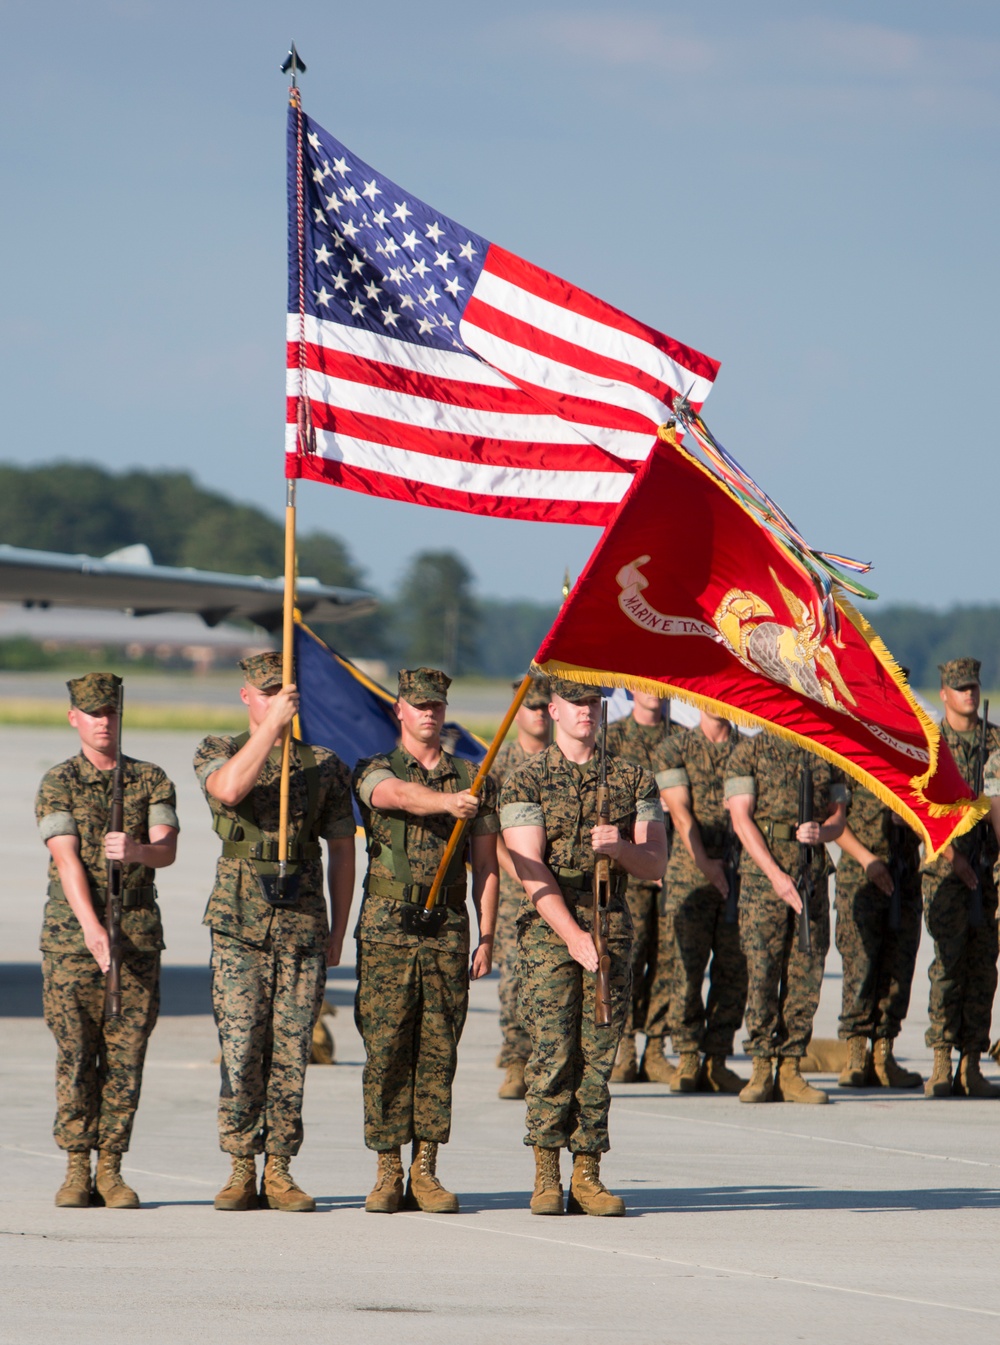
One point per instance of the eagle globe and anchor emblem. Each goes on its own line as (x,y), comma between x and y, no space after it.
(792,654)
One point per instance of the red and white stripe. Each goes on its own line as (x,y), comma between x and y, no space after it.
(548,423)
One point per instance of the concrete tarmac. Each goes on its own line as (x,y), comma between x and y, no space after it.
(871,1220)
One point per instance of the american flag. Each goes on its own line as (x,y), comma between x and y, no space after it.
(441,369)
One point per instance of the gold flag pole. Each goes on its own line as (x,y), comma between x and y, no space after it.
(293,65)
(287,677)
(458,830)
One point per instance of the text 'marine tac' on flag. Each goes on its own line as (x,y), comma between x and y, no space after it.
(443,370)
(708,606)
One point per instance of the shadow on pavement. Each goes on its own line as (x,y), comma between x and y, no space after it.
(184,991)
(726,1199)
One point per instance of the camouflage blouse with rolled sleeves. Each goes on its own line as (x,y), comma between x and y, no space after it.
(701,766)
(880,831)
(768,768)
(426,840)
(965,749)
(551,792)
(645,745)
(236,907)
(74,799)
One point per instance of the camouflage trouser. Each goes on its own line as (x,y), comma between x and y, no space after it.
(516,1045)
(662,984)
(783,984)
(571,1059)
(878,961)
(410,1009)
(265,1001)
(644,906)
(963,974)
(700,932)
(98,1063)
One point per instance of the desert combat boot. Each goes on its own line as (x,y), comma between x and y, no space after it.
(939,1084)
(587,1193)
(626,1069)
(386,1196)
(110,1190)
(686,1075)
(74,1194)
(547,1197)
(887,1070)
(513,1087)
(424,1191)
(240,1191)
(655,1067)
(717,1077)
(280,1191)
(855,1072)
(789,1085)
(761,1085)
(969,1081)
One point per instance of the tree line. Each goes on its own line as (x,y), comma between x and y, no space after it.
(433,617)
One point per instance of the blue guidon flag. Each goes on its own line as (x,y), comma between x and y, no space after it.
(427,364)
(340,707)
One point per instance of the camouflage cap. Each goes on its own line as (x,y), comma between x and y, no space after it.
(262,671)
(573,691)
(960,672)
(93,692)
(420,685)
(539,693)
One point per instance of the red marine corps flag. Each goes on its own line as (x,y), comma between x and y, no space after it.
(700,590)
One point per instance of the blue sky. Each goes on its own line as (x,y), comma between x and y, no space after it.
(806,191)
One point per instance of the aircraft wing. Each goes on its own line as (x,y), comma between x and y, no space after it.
(130,582)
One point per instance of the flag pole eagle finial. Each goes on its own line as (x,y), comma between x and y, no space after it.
(293,62)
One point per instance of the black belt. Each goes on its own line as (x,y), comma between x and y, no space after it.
(417,893)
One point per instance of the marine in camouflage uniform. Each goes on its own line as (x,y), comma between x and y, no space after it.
(548,811)
(762,789)
(268,961)
(963,973)
(696,889)
(413,979)
(532,723)
(879,853)
(99,1061)
(645,744)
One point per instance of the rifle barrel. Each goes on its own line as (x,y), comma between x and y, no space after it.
(113,904)
(805,879)
(602,888)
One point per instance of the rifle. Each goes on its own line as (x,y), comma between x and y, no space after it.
(731,863)
(897,869)
(113,906)
(804,881)
(668,820)
(602,886)
(976,918)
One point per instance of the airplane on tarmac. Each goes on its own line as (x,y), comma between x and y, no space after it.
(128,580)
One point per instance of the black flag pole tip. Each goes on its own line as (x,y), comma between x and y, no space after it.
(293,62)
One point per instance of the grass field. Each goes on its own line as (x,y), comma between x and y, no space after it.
(183,718)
